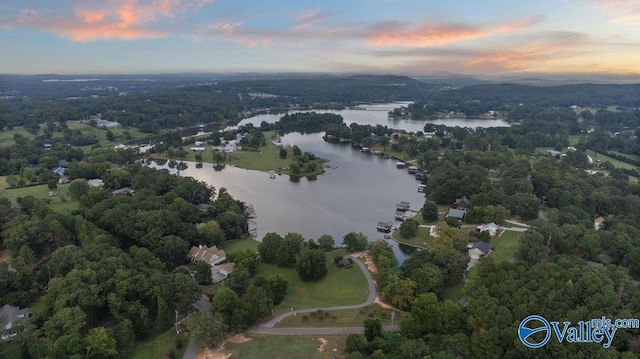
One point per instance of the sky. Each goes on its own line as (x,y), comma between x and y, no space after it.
(413,37)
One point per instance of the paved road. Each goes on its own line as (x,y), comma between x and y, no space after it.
(267,328)
(313,331)
(192,350)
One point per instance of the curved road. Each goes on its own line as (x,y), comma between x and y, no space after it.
(267,328)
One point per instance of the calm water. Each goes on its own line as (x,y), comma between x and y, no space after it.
(357,191)
(368,117)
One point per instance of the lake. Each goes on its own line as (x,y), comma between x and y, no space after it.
(356,191)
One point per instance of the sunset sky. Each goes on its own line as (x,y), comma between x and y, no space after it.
(373,36)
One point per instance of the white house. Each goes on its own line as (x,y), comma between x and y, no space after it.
(492,228)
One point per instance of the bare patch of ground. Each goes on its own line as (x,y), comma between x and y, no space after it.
(323,343)
(220,352)
(5,255)
(368,261)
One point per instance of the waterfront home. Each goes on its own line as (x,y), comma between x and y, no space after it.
(211,255)
(461,203)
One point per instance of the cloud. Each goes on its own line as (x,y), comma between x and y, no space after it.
(621,11)
(394,34)
(113,19)
(309,19)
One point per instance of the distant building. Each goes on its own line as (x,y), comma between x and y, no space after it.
(475,251)
(553,153)
(96,183)
(121,191)
(11,319)
(456,213)
(197,149)
(461,203)
(598,223)
(60,171)
(221,272)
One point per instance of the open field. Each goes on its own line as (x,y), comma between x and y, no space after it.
(60,203)
(633,157)
(602,158)
(505,246)
(339,287)
(339,318)
(286,347)
(6,137)
(160,346)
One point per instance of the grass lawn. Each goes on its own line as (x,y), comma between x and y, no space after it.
(421,239)
(288,346)
(339,287)
(160,346)
(633,157)
(505,246)
(343,318)
(39,307)
(239,244)
(603,158)
(575,139)
(42,191)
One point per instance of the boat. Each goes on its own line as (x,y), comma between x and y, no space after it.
(422,188)
(365,150)
(403,206)
(401,165)
(385,227)
(412,169)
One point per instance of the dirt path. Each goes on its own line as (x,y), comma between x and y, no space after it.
(220,352)
(5,255)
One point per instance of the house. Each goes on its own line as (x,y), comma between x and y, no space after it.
(456,213)
(211,255)
(96,183)
(11,318)
(47,146)
(121,191)
(63,180)
(598,222)
(461,203)
(63,163)
(492,228)
(221,272)
(198,143)
(553,153)
(60,171)
(475,251)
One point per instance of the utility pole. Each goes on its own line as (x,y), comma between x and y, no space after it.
(393,316)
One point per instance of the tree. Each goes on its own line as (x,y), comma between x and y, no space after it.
(311,265)
(78,188)
(283,153)
(226,301)
(326,242)
(99,342)
(355,241)
(247,258)
(355,343)
(296,150)
(372,328)
(277,286)
(409,228)
(290,248)
(269,247)
(210,233)
(430,211)
(52,184)
(208,329)
(257,302)
(110,136)
(203,273)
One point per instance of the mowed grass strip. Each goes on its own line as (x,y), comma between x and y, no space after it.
(287,347)
(602,158)
(339,318)
(239,244)
(339,287)
(505,246)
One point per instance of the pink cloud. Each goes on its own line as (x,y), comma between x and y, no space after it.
(309,19)
(115,19)
(439,34)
